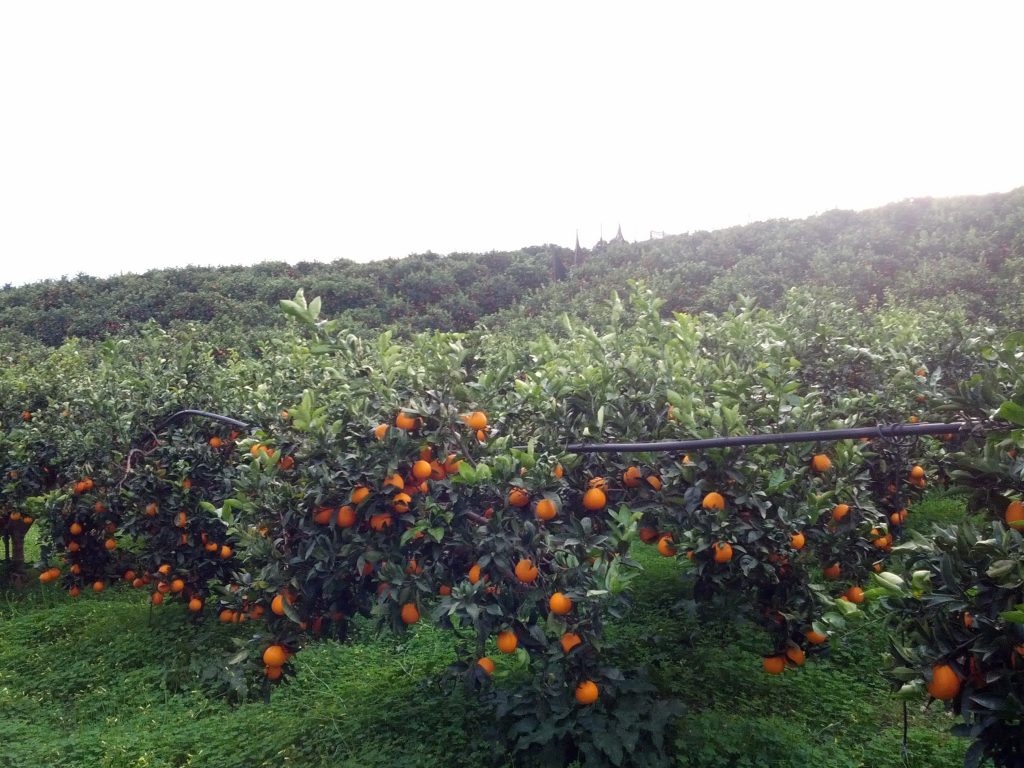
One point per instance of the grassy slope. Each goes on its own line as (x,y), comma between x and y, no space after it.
(88,682)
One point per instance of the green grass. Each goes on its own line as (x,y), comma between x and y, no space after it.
(89,682)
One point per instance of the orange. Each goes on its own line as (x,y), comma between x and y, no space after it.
(723,552)
(916,473)
(477,420)
(195,605)
(216,442)
(98,586)
(151,509)
(855,595)
(346,517)
(945,684)
(451,464)
(546,509)
(273,673)
(76,529)
(177,585)
(558,471)
(774,665)
(560,604)
(713,500)
(400,502)
(444,590)
(486,665)
(275,656)
(74,546)
(507,641)
(798,540)
(796,655)
(410,613)
(821,463)
(594,499)
(968,619)
(226,552)
(832,572)
(839,511)
(405,421)
(421,470)
(277,605)
(815,638)
(395,480)
(654,481)
(181,519)
(1015,514)
(647,535)
(323,516)
(569,641)
(517,497)
(381,521)
(587,692)
(164,569)
(359,494)
(526,571)
(665,548)
(474,574)
(631,477)
(227,616)
(380,430)
(156,598)
(597,482)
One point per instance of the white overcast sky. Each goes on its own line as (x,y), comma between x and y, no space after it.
(138,134)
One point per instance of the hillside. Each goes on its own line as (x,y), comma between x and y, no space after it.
(912,251)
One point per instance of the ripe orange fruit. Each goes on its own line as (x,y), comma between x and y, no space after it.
(227,616)
(421,470)
(452,464)
(26,416)
(75,569)
(410,613)
(275,656)
(216,442)
(665,547)
(156,598)
(723,552)
(444,590)
(631,477)
(273,673)
(180,519)
(526,571)
(558,471)
(587,692)
(151,509)
(916,473)
(839,511)
(395,480)
(474,573)
(195,605)
(164,569)
(177,585)
(568,641)
(815,638)
(546,509)
(594,499)
(968,619)
(1015,514)
(597,482)
(226,552)
(380,430)
(277,605)
(486,665)
(507,641)
(74,546)
(774,665)
(346,517)
(832,572)
(713,500)
(400,502)
(855,595)
(518,497)
(359,494)
(945,684)
(380,521)
(654,481)
(797,540)
(405,421)
(477,420)
(821,463)
(98,586)
(129,575)
(323,516)
(647,535)
(560,604)
(796,655)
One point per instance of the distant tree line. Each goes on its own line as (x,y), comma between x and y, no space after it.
(969,250)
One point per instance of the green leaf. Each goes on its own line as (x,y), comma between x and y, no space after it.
(1012,412)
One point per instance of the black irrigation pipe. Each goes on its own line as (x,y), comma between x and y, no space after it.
(882,431)
(189,413)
